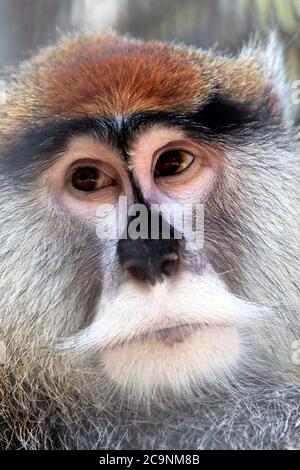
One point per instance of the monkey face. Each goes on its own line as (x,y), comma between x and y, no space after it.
(165,320)
(130,291)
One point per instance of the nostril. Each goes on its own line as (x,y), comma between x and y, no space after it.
(135,270)
(170,264)
(149,261)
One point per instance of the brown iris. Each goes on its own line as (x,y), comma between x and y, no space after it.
(173,162)
(90,179)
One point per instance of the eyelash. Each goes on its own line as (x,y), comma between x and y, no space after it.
(102,171)
(174,153)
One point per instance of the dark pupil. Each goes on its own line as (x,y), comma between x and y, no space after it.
(169,163)
(85,179)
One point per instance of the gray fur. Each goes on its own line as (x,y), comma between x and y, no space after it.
(49,287)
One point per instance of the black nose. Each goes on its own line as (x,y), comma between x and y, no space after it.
(149,260)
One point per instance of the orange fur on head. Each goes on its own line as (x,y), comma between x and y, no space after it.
(109,75)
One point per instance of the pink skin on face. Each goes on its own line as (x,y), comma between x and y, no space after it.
(192,185)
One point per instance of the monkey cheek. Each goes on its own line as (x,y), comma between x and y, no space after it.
(142,369)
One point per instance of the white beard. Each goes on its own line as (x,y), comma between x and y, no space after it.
(172,337)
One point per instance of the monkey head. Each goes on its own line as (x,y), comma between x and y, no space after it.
(112,152)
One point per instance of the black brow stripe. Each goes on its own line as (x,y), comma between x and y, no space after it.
(41,145)
(38,147)
(218,119)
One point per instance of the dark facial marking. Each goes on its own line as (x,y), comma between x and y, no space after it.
(222,120)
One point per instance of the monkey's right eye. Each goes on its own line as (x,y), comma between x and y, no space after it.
(88,178)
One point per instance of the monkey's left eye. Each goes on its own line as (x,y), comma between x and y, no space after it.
(173,162)
(88,178)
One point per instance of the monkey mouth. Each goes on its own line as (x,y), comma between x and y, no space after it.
(171,334)
(174,334)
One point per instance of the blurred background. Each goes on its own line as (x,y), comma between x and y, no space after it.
(25,25)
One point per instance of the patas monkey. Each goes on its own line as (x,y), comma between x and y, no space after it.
(141,341)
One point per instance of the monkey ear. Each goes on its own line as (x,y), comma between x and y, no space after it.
(270,60)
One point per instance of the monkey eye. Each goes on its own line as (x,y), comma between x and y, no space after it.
(173,162)
(89,178)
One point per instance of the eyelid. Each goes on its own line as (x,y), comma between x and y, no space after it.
(168,148)
(93,162)
(174,175)
(70,176)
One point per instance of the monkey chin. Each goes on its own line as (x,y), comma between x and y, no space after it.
(173,360)
(149,342)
